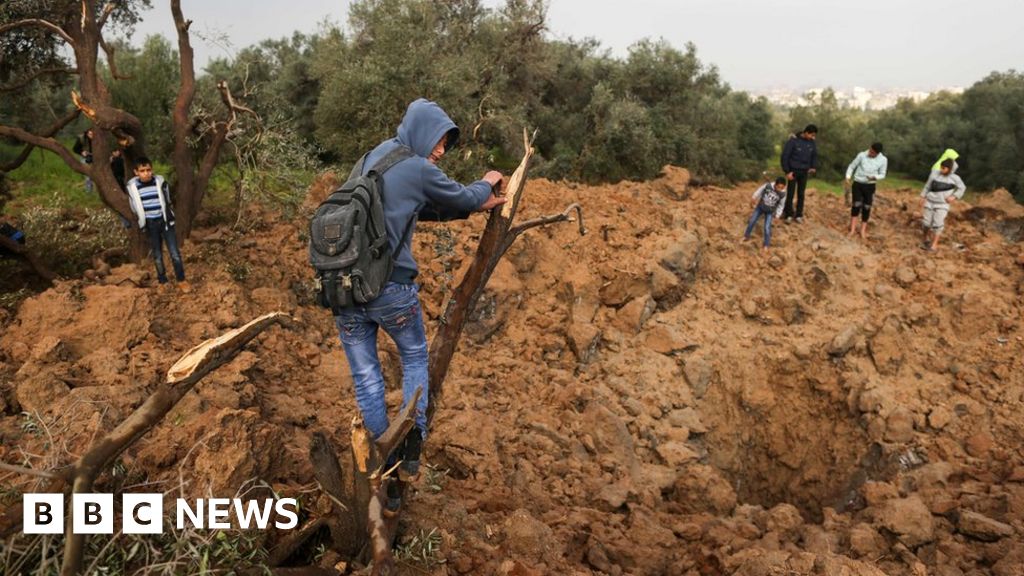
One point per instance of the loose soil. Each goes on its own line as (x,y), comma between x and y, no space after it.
(654,397)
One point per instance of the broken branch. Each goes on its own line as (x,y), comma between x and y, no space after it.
(38,23)
(565,216)
(181,378)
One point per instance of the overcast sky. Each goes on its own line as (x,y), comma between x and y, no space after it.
(756,44)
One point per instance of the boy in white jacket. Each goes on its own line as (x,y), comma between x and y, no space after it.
(151,202)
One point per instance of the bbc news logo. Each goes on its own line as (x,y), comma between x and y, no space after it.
(143,513)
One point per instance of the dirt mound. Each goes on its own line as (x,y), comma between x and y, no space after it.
(652,398)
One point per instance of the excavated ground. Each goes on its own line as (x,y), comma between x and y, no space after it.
(651,398)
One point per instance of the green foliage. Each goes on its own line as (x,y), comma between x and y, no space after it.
(985,124)
(599,119)
(67,238)
(149,91)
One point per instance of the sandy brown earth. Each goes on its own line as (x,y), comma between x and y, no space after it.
(651,398)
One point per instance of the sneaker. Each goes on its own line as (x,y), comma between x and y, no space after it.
(799,219)
(409,470)
(788,220)
(184,287)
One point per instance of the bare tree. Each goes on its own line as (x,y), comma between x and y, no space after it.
(78,26)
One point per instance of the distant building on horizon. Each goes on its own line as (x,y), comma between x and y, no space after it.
(858,97)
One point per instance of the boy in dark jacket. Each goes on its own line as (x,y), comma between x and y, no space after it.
(768,201)
(799,159)
(83,147)
(413,188)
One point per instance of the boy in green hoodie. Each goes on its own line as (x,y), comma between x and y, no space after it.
(942,189)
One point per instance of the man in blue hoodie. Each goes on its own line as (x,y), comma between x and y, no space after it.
(799,159)
(414,188)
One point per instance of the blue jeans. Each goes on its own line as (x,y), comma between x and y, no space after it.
(397,310)
(768,216)
(159,234)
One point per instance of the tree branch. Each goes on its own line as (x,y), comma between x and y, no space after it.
(38,23)
(49,144)
(25,253)
(19,84)
(50,131)
(31,472)
(181,378)
(565,216)
(109,51)
(108,9)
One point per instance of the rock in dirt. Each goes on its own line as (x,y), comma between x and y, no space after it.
(666,339)
(632,317)
(982,527)
(844,341)
(899,426)
(904,276)
(676,453)
(866,542)
(698,372)
(700,488)
(528,538)
(623,288)
(40,393)
(940,417)
(909,519)
(682,256)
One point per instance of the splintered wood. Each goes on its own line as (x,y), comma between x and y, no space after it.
(209,350)
(517,180)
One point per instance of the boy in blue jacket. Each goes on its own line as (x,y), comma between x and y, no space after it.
(414,188)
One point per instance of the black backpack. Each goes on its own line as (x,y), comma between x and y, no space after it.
(348,238)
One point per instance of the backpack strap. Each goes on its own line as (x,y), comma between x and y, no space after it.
(396,155)
(357,170)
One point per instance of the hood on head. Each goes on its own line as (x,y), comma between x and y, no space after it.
(424,125)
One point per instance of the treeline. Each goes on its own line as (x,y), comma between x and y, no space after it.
(985,124)
(326,97)
(335,93)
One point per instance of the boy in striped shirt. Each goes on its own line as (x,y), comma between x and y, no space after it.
(151,203)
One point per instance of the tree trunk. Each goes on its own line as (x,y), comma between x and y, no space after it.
(29,257)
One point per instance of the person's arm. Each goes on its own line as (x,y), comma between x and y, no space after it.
(960,188)
(756,196)
(78,147)
(883,171)
(853,165)
(814,157)
(787,151)
(448,194)
(782,205)
(927,184)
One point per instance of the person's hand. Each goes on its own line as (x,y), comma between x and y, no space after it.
(789,176)
(494,178)
(950,199)
(872,178)
(493,202)
(847,181)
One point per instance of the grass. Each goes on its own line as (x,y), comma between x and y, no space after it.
(893,182)
(45,180)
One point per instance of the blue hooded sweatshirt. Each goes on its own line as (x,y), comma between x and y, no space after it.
(415,188)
